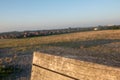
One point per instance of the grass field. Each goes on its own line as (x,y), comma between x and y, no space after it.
(102,47)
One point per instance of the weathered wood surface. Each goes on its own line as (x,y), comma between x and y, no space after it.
(50,67)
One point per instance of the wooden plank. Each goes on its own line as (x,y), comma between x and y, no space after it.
(75,68)
(39,73)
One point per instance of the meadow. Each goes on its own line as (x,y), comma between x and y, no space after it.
(101,47)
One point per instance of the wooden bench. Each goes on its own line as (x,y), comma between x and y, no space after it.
(51,67)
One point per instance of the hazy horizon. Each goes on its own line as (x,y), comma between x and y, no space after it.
(20,15)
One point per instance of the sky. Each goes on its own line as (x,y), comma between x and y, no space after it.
(20,15)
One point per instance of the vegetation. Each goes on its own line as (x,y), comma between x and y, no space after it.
(26,34)
(101,47)
(7,70)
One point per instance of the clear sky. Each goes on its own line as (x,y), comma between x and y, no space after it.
(16,15)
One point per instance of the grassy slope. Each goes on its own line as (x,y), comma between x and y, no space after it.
(95,46)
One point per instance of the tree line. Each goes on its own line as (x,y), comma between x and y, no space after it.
(26,34)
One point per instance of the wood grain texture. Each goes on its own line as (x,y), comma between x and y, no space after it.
(75,68)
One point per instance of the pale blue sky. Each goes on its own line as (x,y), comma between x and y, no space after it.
(16,15)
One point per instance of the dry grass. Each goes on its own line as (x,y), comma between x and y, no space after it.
(95,46)
(80,36)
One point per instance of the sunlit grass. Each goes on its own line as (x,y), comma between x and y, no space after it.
(80,36)
(96,46)
(91,43)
